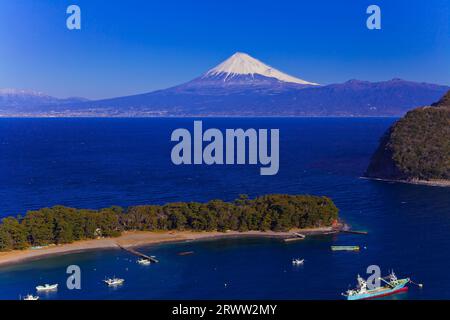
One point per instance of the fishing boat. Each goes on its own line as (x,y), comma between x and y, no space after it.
(298,262)
(112,282)
(30,297)
(392,285)
(47,287)
(144,262)
(345,248)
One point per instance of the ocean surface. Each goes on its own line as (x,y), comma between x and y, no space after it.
(94,163)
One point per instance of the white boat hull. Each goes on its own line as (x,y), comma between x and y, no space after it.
(47,288)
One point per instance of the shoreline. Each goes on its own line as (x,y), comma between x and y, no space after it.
(132,239)
(428,183)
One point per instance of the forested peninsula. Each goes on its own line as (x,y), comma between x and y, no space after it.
(416,149)
(62,225)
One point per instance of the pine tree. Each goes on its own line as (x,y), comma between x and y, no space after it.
(17,238)
(6,243)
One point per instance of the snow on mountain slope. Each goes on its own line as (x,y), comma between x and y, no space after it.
(20,92)
(14,99)
(241,64)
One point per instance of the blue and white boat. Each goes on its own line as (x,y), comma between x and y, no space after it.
(392,285)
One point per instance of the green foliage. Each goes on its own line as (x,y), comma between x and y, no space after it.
(420,144)
(59,225)
(12,235)
(39,227)
(6,242)
(417,147)
(271,212)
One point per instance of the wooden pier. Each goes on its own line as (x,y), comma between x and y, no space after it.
(138,254)
(296,237)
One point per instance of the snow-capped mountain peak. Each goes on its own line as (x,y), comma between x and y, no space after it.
(19,100)
(243,64)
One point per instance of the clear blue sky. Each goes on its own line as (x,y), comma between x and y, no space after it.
(136,46)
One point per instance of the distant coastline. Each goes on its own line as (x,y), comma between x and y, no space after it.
(142,238)
(192,116)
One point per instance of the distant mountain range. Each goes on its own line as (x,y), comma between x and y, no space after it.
(240,86)
(20,101)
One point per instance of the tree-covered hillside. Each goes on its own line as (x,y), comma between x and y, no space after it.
(417,146)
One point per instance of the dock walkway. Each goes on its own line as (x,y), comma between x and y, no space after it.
(138,254)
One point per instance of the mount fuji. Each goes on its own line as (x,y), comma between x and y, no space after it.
(241,73)
(241,68)
(245,86)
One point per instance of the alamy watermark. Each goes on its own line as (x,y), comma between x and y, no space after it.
(74,280)
(373,281)
(236,146)
(374,20)
(73,22)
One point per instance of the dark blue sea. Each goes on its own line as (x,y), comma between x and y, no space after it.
(94,163)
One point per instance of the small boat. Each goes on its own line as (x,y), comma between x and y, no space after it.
(144,262)
(392,285)
(345,248)
(37,248)
(47,287)
(298,262)
(112,282)
(30,297)
(355,232)
(186,253)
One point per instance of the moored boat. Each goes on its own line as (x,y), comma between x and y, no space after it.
(345,248)
(144,262)
(112,282)
(298,262)
(47,287)
(30,297)
(186,253)
(392,285)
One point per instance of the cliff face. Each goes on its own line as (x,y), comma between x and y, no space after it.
(382,165)
(417,147)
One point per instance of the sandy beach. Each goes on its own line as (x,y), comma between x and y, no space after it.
(430,183)
(136,239)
